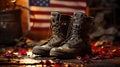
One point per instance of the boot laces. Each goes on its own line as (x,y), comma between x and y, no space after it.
(55,28)
(76,30)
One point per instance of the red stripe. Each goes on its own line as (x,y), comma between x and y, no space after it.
(68,13)
(65,6)
(48,13)
(40,12)
(39,20)
(39,28)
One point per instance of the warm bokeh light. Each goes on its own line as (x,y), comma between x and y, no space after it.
(12,1)
(31,24)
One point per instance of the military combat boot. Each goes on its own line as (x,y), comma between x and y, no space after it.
(59,24)
(78,43)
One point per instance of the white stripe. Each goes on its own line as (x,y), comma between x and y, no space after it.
(41,25)
(40,16)
(34,8)
(69,3)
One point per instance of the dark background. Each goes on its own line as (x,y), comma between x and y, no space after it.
(114,4)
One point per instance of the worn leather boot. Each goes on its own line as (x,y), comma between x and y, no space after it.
(59,24)
(78,44)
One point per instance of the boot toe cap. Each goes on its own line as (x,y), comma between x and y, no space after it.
(35,50)
(53,52)
(38,50)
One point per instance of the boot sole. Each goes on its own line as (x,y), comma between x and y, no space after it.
(61,55)
(42,53)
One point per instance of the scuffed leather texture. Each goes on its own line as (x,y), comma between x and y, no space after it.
(59,24)
(76,44)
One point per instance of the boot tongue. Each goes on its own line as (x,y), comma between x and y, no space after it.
(77,21)
(76,30)
(55,19)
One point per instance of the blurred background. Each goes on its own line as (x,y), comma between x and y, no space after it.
(31,18)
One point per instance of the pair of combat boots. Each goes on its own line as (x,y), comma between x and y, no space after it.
(70,36)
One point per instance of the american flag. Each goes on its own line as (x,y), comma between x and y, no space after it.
(40,10)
